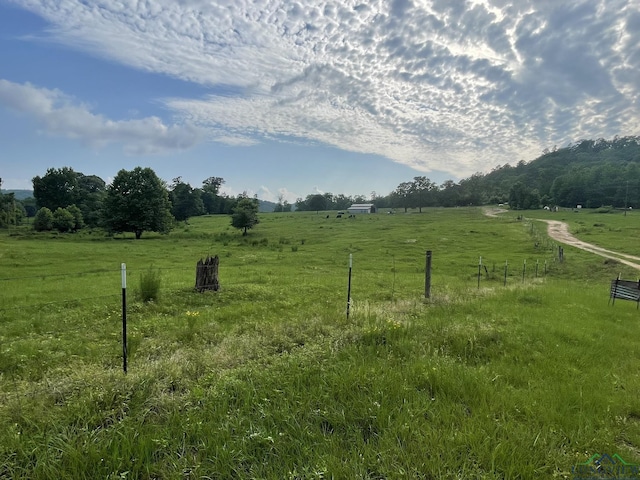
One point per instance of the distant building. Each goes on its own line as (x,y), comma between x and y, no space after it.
(362,208)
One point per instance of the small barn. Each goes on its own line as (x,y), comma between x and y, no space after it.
(362,208)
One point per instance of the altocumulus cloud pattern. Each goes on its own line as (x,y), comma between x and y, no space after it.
(452,85)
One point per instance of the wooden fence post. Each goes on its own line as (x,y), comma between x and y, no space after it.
(427,276)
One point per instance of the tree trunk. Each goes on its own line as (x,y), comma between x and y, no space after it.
(207,274)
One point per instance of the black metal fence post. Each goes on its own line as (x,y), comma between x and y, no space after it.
(124,317)
(349,285)
(427,276)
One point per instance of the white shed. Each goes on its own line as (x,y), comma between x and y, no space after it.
(362,208)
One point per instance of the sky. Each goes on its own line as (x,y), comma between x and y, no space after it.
(286,98)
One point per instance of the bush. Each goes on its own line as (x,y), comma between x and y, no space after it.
(150,285)
(63,220)
(43,221)
(605,209)
(78,221)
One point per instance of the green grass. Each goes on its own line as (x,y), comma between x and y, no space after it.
(268,379)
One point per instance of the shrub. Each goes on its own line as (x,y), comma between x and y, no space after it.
(150,285)
(78,221)
(605,209)
(63,220)
(43,220)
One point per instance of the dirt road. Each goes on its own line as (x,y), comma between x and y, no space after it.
(559,231)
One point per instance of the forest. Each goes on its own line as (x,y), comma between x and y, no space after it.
(590,173)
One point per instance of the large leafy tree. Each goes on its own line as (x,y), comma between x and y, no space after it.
(186,201)
(62,187)
(211,199)
(137,201)
(245,214)
(402,195)
(316,202)
(58,188)
(91,193)
(422,190)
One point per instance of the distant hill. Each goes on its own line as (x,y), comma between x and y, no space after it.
(591,173)
(19,194)
(266,206)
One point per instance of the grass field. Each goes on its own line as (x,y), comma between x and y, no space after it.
(268,378)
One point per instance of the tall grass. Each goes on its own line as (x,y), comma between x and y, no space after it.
(150,282)
(267,379)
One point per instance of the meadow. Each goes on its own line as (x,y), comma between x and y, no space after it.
(268,379)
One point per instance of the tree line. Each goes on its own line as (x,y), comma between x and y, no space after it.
(591,173)
(136,201)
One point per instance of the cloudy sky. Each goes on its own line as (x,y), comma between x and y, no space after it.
(296,96)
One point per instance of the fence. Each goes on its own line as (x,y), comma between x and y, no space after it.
(37,292)
(78,299)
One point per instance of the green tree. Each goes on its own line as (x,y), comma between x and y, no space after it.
(449,195)
(245,215)
(11,211)
(402,195)
(421,192)
(186,202)
(63,220)
(91,193)
(76,213)
(43,221)
(137,201)
(57,188)
(316,202)
(211,199)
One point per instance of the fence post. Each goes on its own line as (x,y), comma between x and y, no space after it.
(524,269)
(427,276)
(537,268)
(615,290)
(506,264)
(479,270)
(349,285)
(124,317)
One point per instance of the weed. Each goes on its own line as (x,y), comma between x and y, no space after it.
(150,282)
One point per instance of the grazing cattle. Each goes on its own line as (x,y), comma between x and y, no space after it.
(339,216)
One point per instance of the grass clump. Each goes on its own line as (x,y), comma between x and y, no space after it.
(150,282)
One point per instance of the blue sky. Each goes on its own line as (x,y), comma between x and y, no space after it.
(294,97)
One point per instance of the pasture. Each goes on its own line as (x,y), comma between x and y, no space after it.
(267,378)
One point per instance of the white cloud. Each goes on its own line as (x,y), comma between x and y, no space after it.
(57,114)
(452,85)
(265,193)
